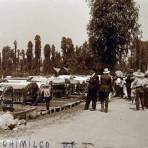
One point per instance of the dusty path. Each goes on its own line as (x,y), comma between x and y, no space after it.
(121,127)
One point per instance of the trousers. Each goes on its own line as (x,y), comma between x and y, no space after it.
(91,97)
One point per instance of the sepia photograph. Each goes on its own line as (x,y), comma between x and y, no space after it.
(73,74)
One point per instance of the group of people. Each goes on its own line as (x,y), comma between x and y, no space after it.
(133,86)
(103,85)
(122,85)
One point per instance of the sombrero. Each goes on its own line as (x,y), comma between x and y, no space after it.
(139,74)
(106,71)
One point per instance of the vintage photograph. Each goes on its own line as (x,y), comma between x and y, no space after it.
(73,74)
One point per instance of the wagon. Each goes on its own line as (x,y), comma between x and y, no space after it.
(23,92)
(19,91)
(58,87)
(31,94)
(6,97)
(58,90)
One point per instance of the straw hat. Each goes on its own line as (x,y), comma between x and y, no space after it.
(139,74)
(119,73)
(106,71)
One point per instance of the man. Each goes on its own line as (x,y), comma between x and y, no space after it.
(138,84)
(105,89)
(129,81)
(47,94)
(92,91)
(117,82)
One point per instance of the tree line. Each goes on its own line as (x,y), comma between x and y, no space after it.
(78,59)
(30,61)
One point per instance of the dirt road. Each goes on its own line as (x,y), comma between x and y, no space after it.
(121,127)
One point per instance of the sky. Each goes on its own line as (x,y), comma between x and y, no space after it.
(21,20)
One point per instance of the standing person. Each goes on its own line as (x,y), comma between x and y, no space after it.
(121,85)
(138,84)
(117,86)
(105,89)
(47,94)
(146,89)
(129,81)
(92,91)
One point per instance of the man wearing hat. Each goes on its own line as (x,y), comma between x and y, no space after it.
(93,87)
(105,89)
(138,84)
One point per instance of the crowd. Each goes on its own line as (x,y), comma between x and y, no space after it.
(132,86)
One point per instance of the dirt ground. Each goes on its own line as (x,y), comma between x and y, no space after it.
(121,127)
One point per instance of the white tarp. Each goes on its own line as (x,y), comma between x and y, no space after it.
(81,79)
(20,85)
(39,79)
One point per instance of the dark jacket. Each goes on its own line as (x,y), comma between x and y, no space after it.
(105,84)
(129,81)
(94,83)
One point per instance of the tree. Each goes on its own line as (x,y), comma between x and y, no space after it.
(23,64)
(112,29)
(57,60)
(84,60)
(68,52)
(140,58)
(29,55)
(37,53)
(15,49)
(47,54)
(53,55)
(0,63)
(7,60)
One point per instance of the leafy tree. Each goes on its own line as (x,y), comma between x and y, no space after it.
(37,53)
(53,55)
(15,50)
(64,46)
(7,60)
(140,57)
(68,52)
(84,60)
(112,29)
(0,62)
(47,54)
(23,63)
(29,55)
(58,59)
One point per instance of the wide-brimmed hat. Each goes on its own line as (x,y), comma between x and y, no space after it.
(106,71)
(119,73)
(139,74)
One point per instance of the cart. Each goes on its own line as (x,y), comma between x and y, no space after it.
(6,97)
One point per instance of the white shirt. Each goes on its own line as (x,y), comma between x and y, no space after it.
(118,81)
(137,82)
